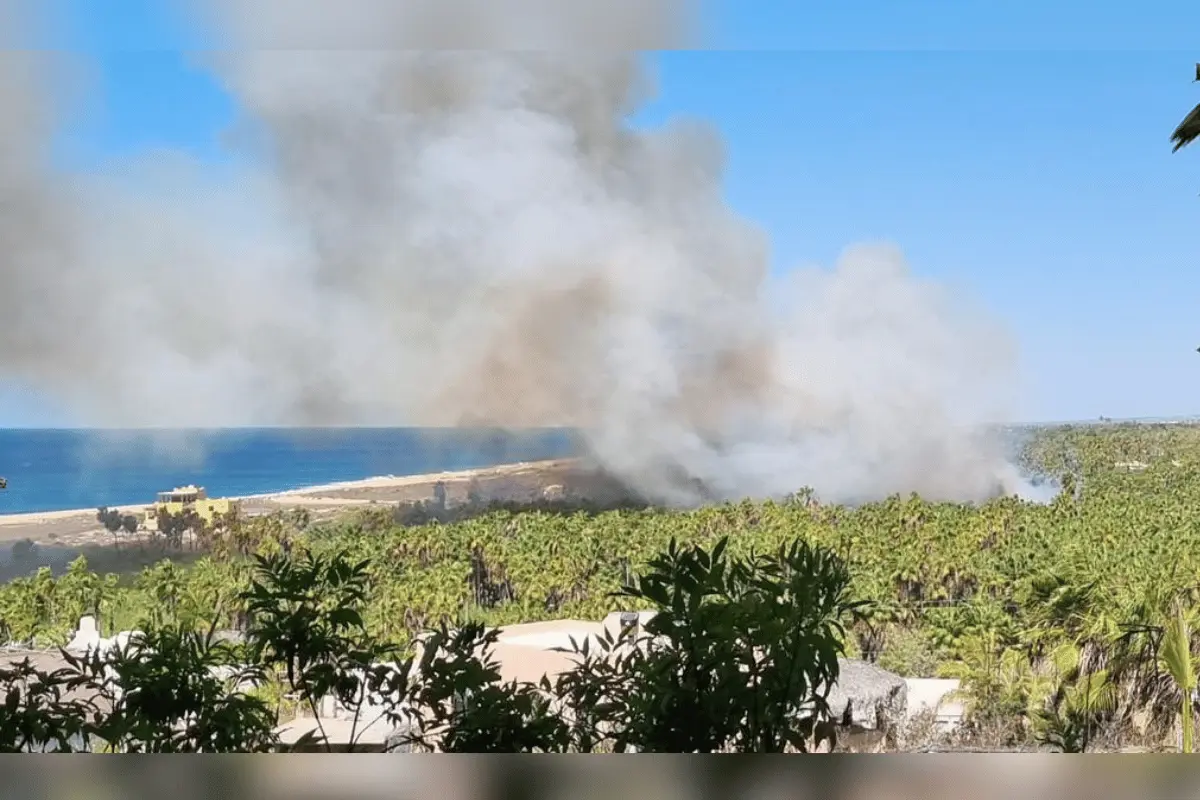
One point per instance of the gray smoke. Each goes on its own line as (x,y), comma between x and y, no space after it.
(447,219)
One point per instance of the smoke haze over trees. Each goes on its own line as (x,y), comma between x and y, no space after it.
(421,235)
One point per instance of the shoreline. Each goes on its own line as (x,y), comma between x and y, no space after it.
(398,481)
(317,495)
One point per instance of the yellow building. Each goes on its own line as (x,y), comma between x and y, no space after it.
(182,499)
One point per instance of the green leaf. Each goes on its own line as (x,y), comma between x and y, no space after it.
(1175,653)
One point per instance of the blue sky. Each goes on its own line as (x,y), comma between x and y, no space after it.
(1014,150)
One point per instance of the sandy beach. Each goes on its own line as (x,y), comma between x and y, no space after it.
(513,482)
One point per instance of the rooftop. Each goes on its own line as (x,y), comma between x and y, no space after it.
(338,730)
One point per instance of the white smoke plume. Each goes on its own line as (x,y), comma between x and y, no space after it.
(446,218)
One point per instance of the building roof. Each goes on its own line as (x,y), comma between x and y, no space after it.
(185,490)
(45,661)
(527,652)
(530,664)
(337,730)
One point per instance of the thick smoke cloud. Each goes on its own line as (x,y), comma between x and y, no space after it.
(445,218)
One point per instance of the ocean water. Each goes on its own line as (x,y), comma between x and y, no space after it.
(51,470)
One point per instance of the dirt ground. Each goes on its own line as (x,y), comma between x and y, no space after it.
(513,483)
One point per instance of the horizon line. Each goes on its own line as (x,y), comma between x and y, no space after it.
(1102,420)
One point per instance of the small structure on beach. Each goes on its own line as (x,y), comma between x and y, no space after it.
(185,498)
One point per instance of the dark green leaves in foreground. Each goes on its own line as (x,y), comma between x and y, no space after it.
(739,657)
(1189,129)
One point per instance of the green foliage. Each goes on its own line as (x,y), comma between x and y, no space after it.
(759,634)
(177,691)
(1175,654)
(306,629)
(39,712)
(165,691)
(988,593)
(739,656)
(467,709)
(1067,702)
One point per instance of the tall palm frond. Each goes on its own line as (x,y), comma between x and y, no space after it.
(1176,659)
(1188,130)
(1090,692)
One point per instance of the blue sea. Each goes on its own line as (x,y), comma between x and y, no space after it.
(52,470)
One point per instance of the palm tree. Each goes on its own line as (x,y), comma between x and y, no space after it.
(1175,655)
(1189,129)
(1066,701)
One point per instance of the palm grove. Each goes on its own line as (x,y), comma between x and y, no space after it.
(1069,624)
